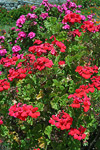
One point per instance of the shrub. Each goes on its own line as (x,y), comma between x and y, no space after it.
(50,79)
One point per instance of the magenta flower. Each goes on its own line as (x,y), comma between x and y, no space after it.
(3,52)
(22,35)
(44,15)
(0,72)
(13,28)
(66,26)
(20,21)
(33,8)
(16,48)
(31,35)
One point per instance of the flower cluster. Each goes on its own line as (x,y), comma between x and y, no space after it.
(59,44)
(86,71)
(88,25)
(44,15)
(31,16)
(33,8)
(43,62)
(2,39)
(8,62)
(21,35)
(43,48)
(19,73)
(3,52)
(22,111)
(20,21)
(31,35)
(96,81)
(77,101)
(72,18)
(4,85)
(78,133)
(62,120)
(16,48)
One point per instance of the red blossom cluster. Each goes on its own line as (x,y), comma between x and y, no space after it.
(96,81)
(83,89)
(59,44)
(78,102)
(88,25)
(78,133)
(76,32)
(36,149)
(86,71)
(42,49)
(43,62)
(8,62)
(19,73)
(4,85)
(71,18)
(62,120)
(22,111)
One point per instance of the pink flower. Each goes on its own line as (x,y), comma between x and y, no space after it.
(13,28)
(31,16)
(21,35)
(33,8)
(3,52)
(18,30)
(66,26)
(16,48)
(20,21)
(31,35)
(79,6)
(0,72)
(44,15)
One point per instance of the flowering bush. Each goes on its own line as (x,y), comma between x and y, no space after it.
(49,88)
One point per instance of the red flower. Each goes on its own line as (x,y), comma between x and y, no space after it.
(1,122)
(22,111)
(78,133)
(62,120)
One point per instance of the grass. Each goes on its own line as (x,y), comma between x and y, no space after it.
(6,27)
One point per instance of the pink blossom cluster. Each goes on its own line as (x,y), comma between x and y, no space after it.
(44,15)
(16,48)
(21,35)
(33,8)
(32,16)
(20,21)
(2,39)
(31,35)
(22,111)
(3,52)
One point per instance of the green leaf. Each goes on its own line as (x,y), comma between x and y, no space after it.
(48,130)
